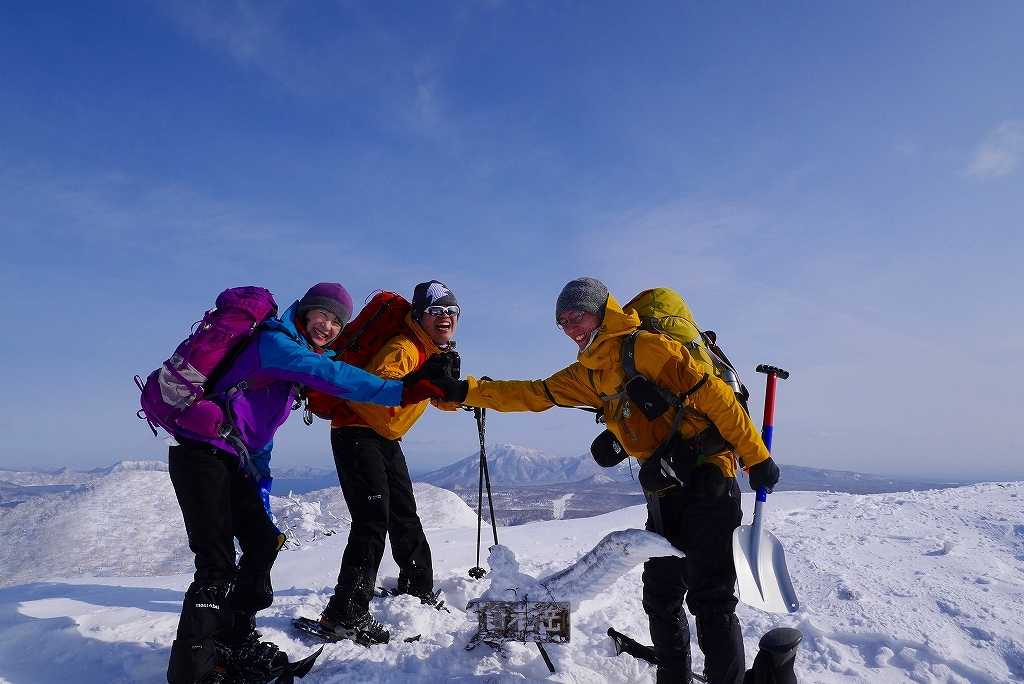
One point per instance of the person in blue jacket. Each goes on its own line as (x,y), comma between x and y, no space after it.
(215,481)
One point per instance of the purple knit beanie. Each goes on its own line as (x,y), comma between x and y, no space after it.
(330,297)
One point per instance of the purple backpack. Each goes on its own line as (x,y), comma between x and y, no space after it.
(173,395)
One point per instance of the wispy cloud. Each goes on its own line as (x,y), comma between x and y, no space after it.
(276,39)
(110,217)
(681,237)
(353,56)
(1000,152)
(251,33)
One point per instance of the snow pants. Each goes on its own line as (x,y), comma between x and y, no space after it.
(375,481)
(700,527)
(219,504)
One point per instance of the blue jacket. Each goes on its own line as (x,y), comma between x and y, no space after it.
(268,375)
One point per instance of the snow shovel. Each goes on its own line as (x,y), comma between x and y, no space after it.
(761,571)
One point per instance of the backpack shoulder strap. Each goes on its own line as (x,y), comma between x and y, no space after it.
(225,364)
(629,366)
(628,355)
(421,351)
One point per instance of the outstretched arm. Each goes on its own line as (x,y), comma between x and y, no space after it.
(283,358)
(564,388)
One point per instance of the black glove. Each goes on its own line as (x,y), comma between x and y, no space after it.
(453,365)
(454,390)
(764,474)
(412,377)
(437,366)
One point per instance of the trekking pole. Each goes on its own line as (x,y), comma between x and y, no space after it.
(477,572)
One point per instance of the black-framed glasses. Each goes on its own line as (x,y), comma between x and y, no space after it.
(570,320)
(452,310)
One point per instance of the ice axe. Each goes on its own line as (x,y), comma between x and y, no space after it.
(761,571)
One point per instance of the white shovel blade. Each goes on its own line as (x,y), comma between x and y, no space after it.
(763,579)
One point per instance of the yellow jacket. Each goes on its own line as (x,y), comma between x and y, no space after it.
(399,356)
(598,371)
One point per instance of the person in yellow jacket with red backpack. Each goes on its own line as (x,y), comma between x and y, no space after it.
(688,454)
(374,476)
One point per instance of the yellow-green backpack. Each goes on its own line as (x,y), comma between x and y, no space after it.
(663,310)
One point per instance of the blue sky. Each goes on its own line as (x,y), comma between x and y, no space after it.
(835,188)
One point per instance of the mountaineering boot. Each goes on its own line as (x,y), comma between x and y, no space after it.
(361,628)
(775,659)
(347,614)
(423,590)
(429,598)
(243,624)
(252,656)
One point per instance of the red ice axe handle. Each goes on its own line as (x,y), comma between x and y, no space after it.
(767,424)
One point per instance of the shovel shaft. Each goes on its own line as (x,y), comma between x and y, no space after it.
(756,526)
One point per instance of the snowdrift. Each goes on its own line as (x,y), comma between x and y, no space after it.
(127,523)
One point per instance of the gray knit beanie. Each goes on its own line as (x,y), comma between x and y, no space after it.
(582,294)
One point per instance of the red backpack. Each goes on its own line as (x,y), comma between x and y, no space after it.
(381,319)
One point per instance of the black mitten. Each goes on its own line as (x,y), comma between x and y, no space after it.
(454,390)
(764,474)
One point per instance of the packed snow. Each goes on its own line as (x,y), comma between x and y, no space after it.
(907,587)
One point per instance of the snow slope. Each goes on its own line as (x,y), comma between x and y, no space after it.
(912,587)
(128,523)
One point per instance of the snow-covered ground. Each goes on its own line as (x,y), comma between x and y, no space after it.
(910,587)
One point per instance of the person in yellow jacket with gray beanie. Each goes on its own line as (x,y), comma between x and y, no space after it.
(689,460)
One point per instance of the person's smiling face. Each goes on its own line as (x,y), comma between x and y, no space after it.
(578,325)
(440,325)
(322,327)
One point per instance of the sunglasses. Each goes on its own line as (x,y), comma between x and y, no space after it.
(452,310)
(570,320)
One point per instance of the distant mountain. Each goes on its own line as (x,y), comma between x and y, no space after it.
(516,466)
(303,473)
(39,477)
(803,479)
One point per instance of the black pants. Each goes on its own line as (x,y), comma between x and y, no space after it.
(700,527)
(219,504)
(378,490)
